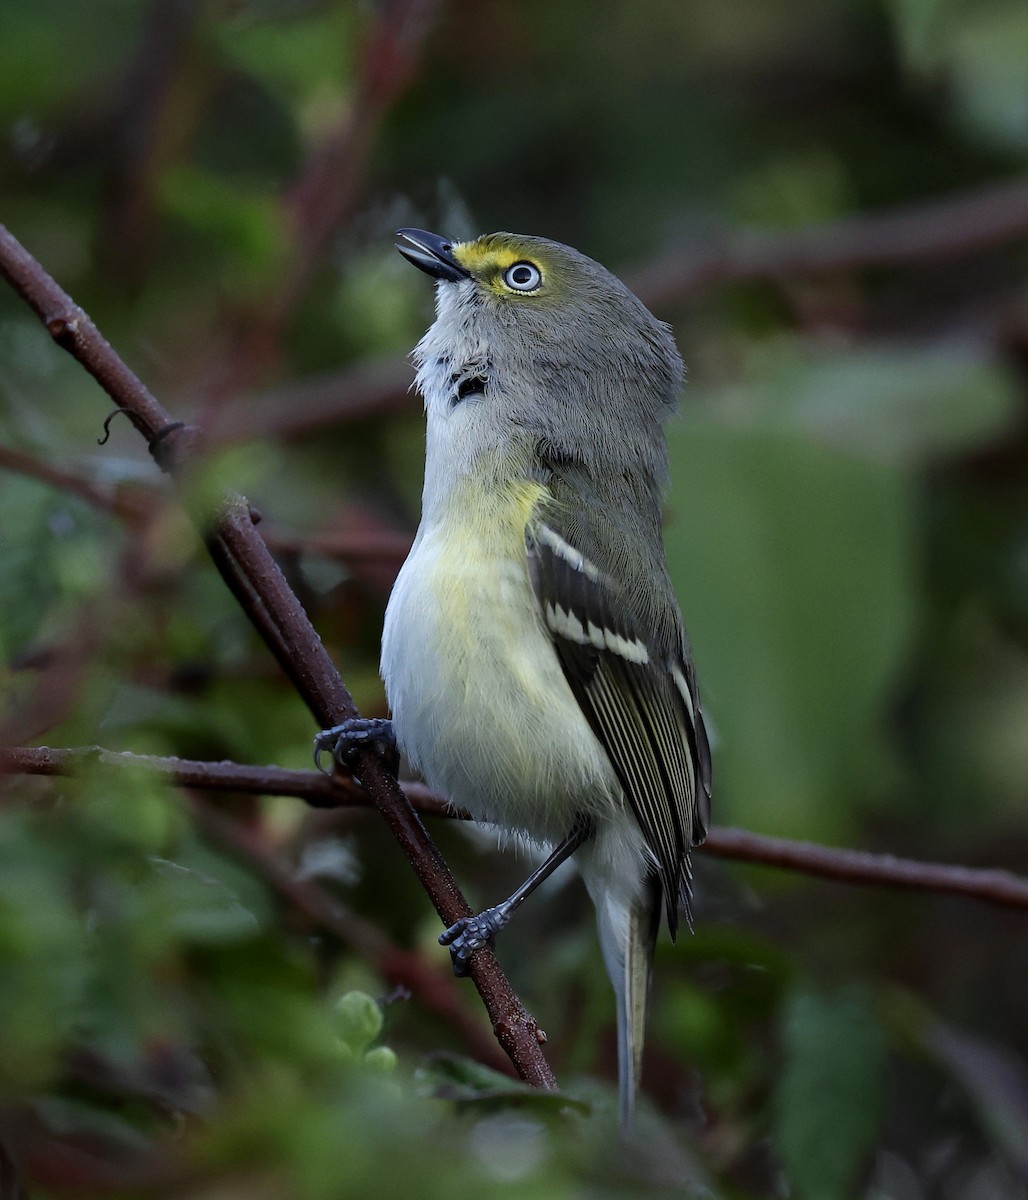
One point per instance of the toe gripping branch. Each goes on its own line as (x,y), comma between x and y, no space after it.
(346,741)
(469,934)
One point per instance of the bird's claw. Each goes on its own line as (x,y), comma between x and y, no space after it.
(345,742)
(469,934)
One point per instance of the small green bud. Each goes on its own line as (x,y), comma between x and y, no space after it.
(381,1060)
(358,1020)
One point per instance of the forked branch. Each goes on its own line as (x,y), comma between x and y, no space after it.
(991,885)
(257,582)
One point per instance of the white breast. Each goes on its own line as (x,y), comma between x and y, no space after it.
(479,700)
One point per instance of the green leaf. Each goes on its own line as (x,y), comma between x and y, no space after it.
(44,953)
(381,1059)
(916,28)
(51,558)
(197,908)
(242,221)
(358,1019)
(989,50)
(56,52)
(793,565)
(793,191)
(995,1080)
(889,403)
(829,1094)
(307,58)
(453,1077)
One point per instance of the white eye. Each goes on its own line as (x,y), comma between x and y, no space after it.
(523,277)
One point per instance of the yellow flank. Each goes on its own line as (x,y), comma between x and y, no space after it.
(479,576)
(472,672)
(499,512)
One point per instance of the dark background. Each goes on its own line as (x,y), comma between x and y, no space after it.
(829,202)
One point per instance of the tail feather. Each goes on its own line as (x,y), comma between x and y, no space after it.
(628,935)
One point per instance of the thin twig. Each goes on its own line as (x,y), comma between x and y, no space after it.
(325,193)
(315,788)
(157,107)
(991,885)
(376,546)
(382,547)
(435,988)
(327,400)
(256,580)
(73,331)
(961,224)
(129,505)
(861,866)
(327,188)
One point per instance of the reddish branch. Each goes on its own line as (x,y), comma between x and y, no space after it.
(957,225)
(255,579)
(436,988)
(317,789)
(861,866)
(377,546)
(324,194)
(157,106)
(844,866)
(130,505)
(383,547)
(330,398)
(963,224)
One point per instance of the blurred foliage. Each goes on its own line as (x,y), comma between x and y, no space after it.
(847,530)
(829,1091)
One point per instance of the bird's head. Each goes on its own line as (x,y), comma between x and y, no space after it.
(549,335)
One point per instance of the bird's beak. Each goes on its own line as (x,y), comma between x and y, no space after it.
(432,253)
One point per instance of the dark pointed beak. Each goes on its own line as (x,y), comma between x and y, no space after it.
(432,253)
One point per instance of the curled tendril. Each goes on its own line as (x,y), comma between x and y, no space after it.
(102,441)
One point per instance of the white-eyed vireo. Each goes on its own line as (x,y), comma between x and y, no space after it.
(533,654)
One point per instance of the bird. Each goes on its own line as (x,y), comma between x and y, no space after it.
(534,655)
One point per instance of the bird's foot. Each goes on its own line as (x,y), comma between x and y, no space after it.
(469,934)
(345,742)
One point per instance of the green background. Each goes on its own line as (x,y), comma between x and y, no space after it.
(847,530)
